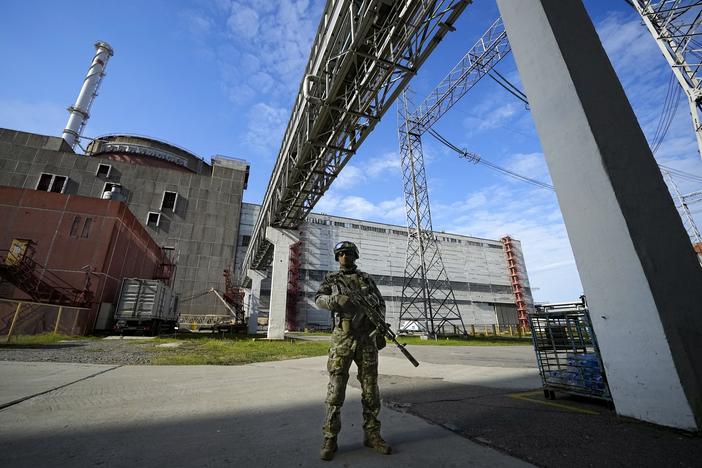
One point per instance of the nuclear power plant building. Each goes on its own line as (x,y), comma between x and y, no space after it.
(188,207)
(477,268)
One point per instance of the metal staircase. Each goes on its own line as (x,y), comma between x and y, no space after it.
(38,283)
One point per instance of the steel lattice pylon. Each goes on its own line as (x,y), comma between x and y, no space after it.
(682,204)
(427,296)
(674,25)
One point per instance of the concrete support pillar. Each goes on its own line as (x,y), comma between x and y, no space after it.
(281,239)
(252,299)
(635,260)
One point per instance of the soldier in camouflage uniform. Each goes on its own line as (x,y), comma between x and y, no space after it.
(350,342)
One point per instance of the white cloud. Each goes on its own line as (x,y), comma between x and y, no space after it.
(386,165)
(626,40)
(243,21)
(197,24)
(354,206)
(266,45)
(387,162)
(328,203)
(260,49)
(239,94)
(265,127)
(532,165)
(349,177)
(488,117)
(357,207)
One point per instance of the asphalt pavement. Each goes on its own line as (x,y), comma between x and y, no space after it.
(463,406)
(266,414)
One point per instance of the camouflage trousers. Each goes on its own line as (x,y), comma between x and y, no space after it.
(347,347)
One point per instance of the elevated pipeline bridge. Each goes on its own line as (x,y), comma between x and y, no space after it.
(363,55)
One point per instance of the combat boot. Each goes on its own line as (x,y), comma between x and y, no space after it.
(328,448)
(374,441)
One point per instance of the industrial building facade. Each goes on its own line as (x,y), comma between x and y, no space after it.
(194,210)
(187,206)
(68,250)
(478,269)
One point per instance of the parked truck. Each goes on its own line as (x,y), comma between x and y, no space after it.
(145,306)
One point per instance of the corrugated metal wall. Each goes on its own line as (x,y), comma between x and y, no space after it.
(476,267)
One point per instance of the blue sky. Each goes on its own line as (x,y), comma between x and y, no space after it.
(220,76)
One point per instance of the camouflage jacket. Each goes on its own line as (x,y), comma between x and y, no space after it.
(336,282)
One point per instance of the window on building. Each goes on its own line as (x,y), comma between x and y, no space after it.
(45,182)
(245,240)
(169,201)
(339,223)
(109,186)
(59,184)
(86,227)
(81,226)
(103,170)
(51,183)
(153,219)
(372,228)
(74,227)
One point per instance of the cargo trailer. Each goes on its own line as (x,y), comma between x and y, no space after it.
(145,306)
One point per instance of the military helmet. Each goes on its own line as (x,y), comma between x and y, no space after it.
(345,246)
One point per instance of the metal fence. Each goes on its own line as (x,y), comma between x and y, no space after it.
(33,318)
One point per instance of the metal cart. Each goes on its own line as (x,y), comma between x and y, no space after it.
(567,352)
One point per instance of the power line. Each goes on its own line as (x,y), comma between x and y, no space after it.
(507,85)
(670,106)
(477,159)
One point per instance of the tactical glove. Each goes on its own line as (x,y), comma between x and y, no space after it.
(341,304)
(380,342)
(337,303)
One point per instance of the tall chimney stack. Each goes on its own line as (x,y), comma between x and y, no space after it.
(80,111)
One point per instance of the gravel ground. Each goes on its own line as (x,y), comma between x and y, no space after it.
(103,351)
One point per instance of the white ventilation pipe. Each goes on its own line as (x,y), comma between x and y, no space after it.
(80,111)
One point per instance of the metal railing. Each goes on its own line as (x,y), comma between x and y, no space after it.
(39,283)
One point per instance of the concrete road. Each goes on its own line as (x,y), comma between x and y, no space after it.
(22,381)
(266,414)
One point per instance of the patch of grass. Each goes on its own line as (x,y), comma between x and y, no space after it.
(192,336)
(43,339)
(470,341)
(233,351)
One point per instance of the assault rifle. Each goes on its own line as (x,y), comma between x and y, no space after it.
(370,305)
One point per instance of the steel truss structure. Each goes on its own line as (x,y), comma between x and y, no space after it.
(364,54)
(674,25)
(428,301)
(683,202)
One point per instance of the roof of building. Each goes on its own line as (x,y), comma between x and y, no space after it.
(366,222)
(146,146)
